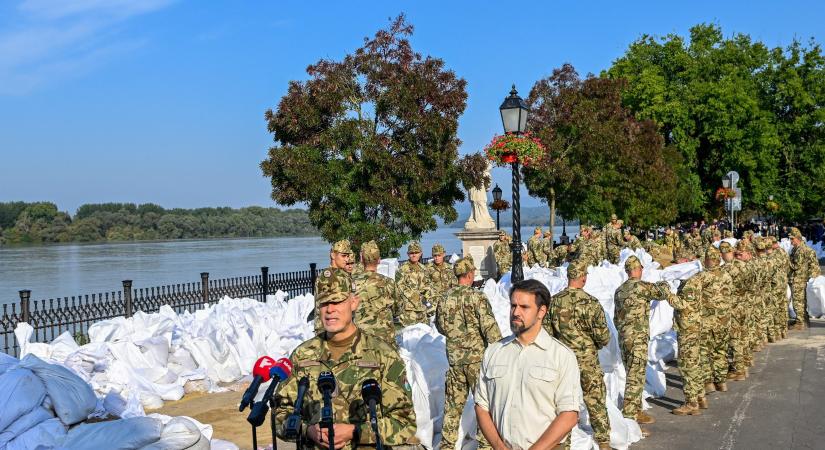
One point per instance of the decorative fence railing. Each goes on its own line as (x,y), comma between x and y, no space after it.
(75,314)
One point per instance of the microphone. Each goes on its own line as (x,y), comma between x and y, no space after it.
(279,372)
(260,373)
(371,393)
(326,384)
(292,429)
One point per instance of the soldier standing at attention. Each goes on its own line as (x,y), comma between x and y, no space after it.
(503,254)
(466,320)
(441,275)
(783,266)
(412,280)
(353,357)
(547,248)
(380,306)
(804,266)
(577,319)
(340,257)
(743,278)
(613,239)
(716,303)
(535,252)
(632,301)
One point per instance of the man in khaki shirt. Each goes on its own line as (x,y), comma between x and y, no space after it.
(528,393)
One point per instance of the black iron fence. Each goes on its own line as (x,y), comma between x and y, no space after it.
(75,314)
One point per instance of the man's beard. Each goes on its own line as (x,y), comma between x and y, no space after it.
(518,327)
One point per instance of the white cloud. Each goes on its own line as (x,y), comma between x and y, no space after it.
(57,39)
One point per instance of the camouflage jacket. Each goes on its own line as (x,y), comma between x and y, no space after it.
(412,281)
(632,318)
(743,279)
(465,318)
(380,306)
(368,358)
(503,255)
(535,251)
(763,268)
(441,279)
(577,319)
(782,264)
(633,243)
(585,249)
(716,298)
(547,248)
(688,309)
(804,264)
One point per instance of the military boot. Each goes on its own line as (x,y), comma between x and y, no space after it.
(604,446)
(737,376)
(703,402)
(709,387)
(688,409)
(643,418)
(645,432)
(721,387)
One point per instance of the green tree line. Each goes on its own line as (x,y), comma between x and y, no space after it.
(42,222)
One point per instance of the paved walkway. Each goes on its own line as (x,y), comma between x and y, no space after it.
(781,405)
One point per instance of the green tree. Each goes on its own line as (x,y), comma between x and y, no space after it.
(600,158)
(369,143)
(733,104)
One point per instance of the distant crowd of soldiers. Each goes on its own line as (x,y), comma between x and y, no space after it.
(723,315)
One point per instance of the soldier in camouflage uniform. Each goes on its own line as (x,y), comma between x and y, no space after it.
(761,315)
(412,280)
(743,278)
(340,257)
(503,253)
(577,320)
(693,242)
(352,357)
(547,248)
(441,276)
(631,242)
(671,240)
(613,240)
(584,248)
(695,294)
(632,301)
(717,303)
(535,251)
(804,266)
(782,265)
(744,253)
(466,320)
(380,306)
(707,235)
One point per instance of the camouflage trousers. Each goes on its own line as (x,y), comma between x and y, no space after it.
(592,382)
(740,338)
(800,301)
(714,351)
(759,321)
(635,365)
(782,316)
(778,313)
(411,316)
(461,379)
(690,366)
(613,254)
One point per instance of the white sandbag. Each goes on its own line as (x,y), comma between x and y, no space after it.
(219,444)
(7,362)
(116,405)
(125,434)
(388,266)
(177,434)
(24,423)
(815,291)
(24,332)
(63,346)
(72,398)
(204,429)
(21,391)
(45,435)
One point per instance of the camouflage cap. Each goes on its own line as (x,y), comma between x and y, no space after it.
(725,247)
(370,252)
(683,253)
(548,233)
(626,232)
(620,222)
(760,244)
(747,234)
(334,286)
(614,217)
(343,247)
(438,249)
(584,228)
(463,265)
(414,247)
(576,269)
(744,246)
(795,233)
(712,254)
(631,263)
(502,233)
(727,234)
(537,230)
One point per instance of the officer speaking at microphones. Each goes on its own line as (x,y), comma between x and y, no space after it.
(260,374)
(338,360)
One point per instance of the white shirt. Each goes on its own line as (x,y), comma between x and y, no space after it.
(525,388)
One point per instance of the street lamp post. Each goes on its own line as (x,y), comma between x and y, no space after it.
(514,118)
(497,199)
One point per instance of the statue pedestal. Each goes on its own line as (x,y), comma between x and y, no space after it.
(479,245)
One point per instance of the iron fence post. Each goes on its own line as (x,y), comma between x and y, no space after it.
(265,281)
(127,298)
(205,286)
(25,295)
(312,277)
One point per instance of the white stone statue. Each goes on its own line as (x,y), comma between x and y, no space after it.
(480,218)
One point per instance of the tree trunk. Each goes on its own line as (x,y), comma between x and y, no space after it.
(552,210)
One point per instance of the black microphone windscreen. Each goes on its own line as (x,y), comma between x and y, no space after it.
(326,382)
(371,390)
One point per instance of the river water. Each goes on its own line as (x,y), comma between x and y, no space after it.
(61,270)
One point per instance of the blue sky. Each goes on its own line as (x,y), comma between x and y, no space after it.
(162,101)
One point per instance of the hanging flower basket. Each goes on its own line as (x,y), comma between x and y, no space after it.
(723,193)
(500,205)
(510,148)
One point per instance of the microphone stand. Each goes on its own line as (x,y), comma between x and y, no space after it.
(272,405)
(374,423)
